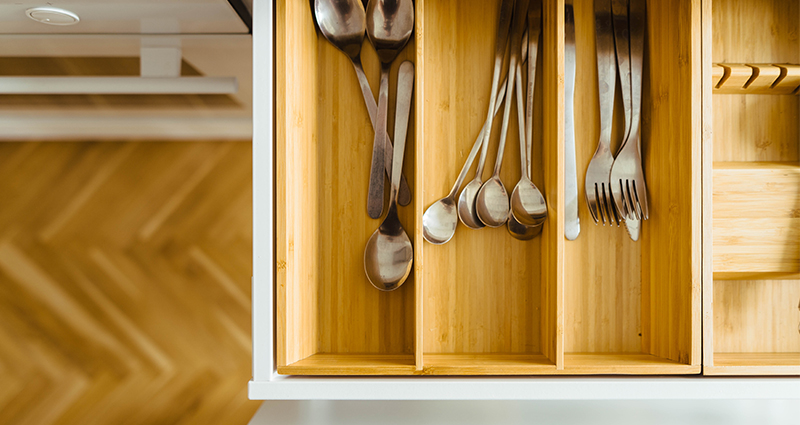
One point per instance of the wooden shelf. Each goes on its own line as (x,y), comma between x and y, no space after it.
(756,222)
(488,364)
(754,364)
(352,364)
(625,364)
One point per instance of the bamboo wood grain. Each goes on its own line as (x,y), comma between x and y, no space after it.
(750,321)
(708,160)
(324,302)
(483,288)
(760,78)
(756,218)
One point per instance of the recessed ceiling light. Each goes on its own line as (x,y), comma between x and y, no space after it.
(52,16)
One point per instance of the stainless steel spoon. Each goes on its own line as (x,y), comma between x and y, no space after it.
(492,202)
(344,24)
(441,218)
(389,27)
(528,206)
(389,254)
(466,201)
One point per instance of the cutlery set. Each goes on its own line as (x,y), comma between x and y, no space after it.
(487,204)
(615,186)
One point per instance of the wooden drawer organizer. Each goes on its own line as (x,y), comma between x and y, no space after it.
(483,304)
(752,284)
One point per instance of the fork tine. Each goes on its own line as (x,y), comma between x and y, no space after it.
(611,210)
(643,201)
(638,203)
(619,200)
(626,189)
(591,202)
(632,212)
(601,202)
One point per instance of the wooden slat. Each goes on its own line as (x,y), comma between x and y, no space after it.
(755,364)
(490,363)
(757,78)
(624,364)
(756,220)
(352,364)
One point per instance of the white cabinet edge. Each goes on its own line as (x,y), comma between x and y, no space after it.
(511,388)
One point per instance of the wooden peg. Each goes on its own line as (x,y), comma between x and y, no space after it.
(764,75)
(789,80)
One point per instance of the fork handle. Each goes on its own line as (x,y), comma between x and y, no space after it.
(606,69)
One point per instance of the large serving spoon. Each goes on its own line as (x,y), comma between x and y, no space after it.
(528,206)
(491,203)
(344,24)
(389,254)
(466,201)
(389,27)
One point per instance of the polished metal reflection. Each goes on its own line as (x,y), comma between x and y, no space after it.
(344,25)
(528,206)
(492,203)
(389,27)
(597,188)
(466,201)
(521,231)
(441,219)
(627,176)
(389,255)
(572,223)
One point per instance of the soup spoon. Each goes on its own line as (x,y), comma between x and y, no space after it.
(389,254)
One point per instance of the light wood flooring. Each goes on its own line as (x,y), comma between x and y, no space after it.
(125,283)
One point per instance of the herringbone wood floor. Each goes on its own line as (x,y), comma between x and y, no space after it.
(125,283)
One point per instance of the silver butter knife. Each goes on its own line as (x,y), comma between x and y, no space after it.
(572,224)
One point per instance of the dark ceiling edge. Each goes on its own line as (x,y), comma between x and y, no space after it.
(243,12)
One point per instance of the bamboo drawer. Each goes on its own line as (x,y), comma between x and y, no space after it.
(484,303)
(752,214)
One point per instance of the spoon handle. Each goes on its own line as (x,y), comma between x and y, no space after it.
(501,40)
(476,145)
(534,31)
(404,197)
(405,89)
(375,195)
(516,40)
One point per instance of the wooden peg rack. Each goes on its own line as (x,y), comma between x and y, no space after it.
(756,78)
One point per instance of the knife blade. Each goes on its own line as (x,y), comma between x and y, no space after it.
(572,224)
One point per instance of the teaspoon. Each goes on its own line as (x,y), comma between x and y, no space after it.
(466,201)
(492,201)
(389,254)
(441,218)
(344,24)
(389,27)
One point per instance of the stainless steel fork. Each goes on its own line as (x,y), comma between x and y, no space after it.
(627,177)
(597,188)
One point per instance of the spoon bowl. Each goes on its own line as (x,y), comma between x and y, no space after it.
(389,26)
(439,221)
(527,204)
(343,23)
(520,231)
(389,254)
(466,205)
(492,203)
